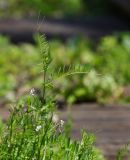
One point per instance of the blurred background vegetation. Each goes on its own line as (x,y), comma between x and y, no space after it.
(108,65)
(55,8)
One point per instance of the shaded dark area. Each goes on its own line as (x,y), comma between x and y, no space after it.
(122,7)
(91,27)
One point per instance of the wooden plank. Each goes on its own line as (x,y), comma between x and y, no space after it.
(94,28)
(110,124)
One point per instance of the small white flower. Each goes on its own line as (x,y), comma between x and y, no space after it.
(62,123)
(32,92)
(38,128)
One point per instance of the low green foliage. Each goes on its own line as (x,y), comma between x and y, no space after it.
(16,66)
(109,69)
(1,126)
(123,153)
(114,55)
(53,8)
(32,133)
(108,66)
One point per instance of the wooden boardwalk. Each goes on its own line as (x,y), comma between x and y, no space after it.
(22,30)
(110,124)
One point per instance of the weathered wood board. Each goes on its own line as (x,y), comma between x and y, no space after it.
(22,30)
(110,124)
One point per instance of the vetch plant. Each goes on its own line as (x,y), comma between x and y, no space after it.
(52,74)
(32,133)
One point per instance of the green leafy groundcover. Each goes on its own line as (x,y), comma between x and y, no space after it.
(32,132)
(46,8)
(32,135)
(108,66)
(53,8)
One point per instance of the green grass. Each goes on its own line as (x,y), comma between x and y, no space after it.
(123,153)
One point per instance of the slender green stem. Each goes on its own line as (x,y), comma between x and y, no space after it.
(44,87)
